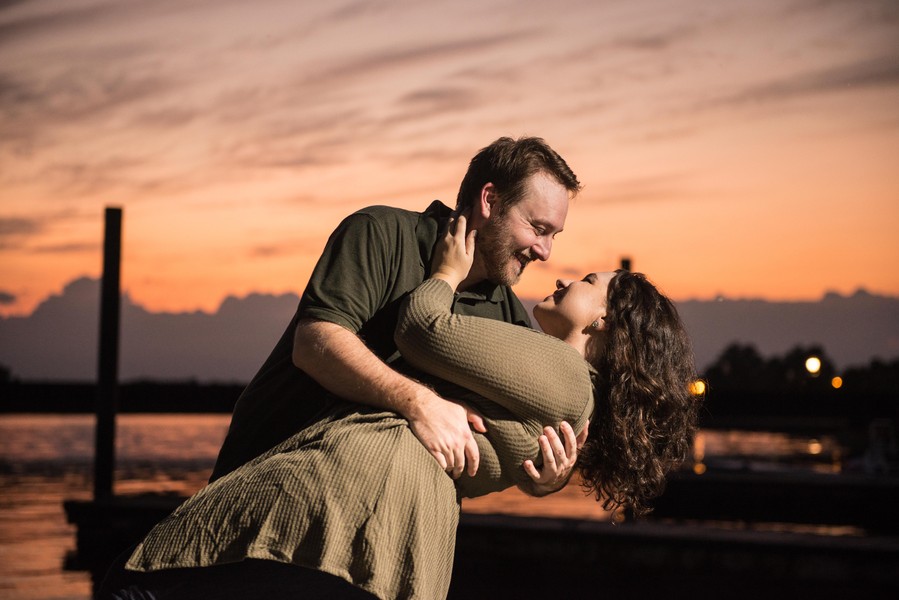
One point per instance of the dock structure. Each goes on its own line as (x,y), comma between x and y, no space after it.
(515,557)
(698,538)
(501,556)
(866,503)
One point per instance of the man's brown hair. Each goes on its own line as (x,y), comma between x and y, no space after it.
(507,164)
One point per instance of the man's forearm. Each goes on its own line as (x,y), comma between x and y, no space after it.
(341,363)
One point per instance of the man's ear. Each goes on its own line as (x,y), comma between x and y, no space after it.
(485,205)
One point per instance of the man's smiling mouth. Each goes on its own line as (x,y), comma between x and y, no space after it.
(522,260)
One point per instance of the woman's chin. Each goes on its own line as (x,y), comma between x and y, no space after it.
(539,310)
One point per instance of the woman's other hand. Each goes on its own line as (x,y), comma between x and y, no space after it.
(559,459)
(454,253)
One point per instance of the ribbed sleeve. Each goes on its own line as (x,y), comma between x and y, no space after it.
(535,379)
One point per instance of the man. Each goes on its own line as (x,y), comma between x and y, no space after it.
(340,342)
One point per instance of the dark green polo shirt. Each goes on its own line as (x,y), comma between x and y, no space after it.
(372,260)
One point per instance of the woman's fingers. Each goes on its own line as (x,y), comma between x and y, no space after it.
(582,436)
(559,457)
(558,449)
(531,470)
(457,234)
(459,228)
(571,442)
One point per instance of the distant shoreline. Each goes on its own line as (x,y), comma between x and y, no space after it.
(135,397)
(785,411)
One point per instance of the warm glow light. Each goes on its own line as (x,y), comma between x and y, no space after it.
(813,364)
(836,382)
(697,388)
(814,447)
(699,452)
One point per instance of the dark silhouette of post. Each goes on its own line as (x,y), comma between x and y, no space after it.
(626,263)
(108,362)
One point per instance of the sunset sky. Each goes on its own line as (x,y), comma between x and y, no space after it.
(741,148)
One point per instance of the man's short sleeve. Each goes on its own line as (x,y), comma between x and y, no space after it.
(352,278)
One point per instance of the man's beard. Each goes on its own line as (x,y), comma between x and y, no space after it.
(498,251)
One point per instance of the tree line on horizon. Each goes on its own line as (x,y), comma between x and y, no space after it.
(741,369)
(743,383)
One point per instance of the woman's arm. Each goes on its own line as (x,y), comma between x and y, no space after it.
(532,379)
(535,376)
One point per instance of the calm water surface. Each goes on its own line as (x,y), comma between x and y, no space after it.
(45,459)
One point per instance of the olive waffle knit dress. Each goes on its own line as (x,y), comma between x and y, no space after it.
(357,495)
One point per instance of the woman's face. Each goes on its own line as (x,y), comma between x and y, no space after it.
(575,305)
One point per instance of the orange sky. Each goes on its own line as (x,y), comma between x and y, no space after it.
(745,149)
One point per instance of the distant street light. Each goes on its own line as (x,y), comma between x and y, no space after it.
(697,387)
(813,365)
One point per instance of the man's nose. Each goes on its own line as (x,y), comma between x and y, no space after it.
(543,248)
(562,283)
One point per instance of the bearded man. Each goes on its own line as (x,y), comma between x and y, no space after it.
(340,341)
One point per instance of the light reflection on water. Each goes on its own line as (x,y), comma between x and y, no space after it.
(182,440)
(766,451)
(45,459)
(69,439)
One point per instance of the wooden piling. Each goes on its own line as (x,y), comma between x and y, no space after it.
(108,360)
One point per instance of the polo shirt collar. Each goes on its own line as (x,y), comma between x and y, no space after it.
(484,290)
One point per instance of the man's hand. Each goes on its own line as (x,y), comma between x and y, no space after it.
(338,360)
(558,460)
(442,427)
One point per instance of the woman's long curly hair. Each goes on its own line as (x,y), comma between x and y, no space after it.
(645,415)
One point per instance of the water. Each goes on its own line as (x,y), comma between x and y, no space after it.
(45,459)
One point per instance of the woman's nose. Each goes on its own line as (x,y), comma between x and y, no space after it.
(562,283)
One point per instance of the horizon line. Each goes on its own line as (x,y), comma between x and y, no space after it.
(830,293)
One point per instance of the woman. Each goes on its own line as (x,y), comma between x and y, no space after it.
(627,334)
(356,498)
